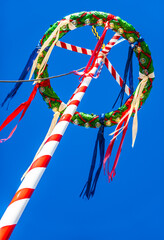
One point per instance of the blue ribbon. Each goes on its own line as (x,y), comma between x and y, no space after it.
(90,189)
(128,69)
(23,75)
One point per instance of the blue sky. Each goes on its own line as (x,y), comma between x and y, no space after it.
(130,207)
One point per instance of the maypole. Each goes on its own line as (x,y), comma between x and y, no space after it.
(67,112)
(35,172)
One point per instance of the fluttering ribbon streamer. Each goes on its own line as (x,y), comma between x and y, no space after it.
(23,75)
(128,69)
(133,109)
(22,107)
(96,51)
(136,101)
(91,186)
(112,173)
(94,55)
(100,138)
(45,46)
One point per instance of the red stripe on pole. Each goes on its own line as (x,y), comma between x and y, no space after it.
(74,48)
(96,65)
(82,89)
(116,37)
(84,50)
(121,81)
(22,193)
(106,62)
(79,89)
(41,162)
(113,72)
(55,137)
(5,232)
(63,45)
(66,117)
(74,102)
(107,48)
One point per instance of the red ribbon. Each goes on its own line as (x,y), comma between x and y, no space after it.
(112,174)
(93,58)
(22,107)
(45,83)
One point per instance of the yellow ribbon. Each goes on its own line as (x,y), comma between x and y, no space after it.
(97,35)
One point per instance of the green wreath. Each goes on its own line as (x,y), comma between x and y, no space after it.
(128,32)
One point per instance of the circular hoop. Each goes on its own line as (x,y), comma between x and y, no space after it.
(128,32)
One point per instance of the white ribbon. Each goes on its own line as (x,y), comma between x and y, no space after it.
(54,34)
(134,107)
(136,102)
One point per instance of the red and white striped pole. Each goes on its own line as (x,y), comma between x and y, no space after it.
(108,64)
(34,174)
